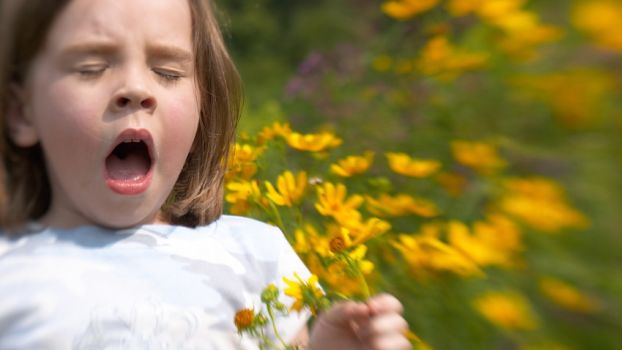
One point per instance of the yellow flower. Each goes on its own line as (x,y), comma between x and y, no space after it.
(357,256)
(332,201)
(405,9)
(359,231)
(426,254)
(400,205)
(352,165)
(574,95)
(304,293)
(541,204)
(522,29)
(242,161)
(495,242)
(339,276)
(492,9)
(270,132)
(479,156)
(506,310)
(307,239)
(523,33)
(363,231)
(312,142)
(290,189)
(403,164)
(340,242)
(240,194)
(246,153)
(440,58)
(343,277)
(244,319)
(567,296)
(242,190)
(601,20)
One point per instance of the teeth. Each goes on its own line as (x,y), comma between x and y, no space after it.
(131,140)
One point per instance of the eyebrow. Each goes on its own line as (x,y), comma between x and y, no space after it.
(160,51)
(96,48)
(169,52)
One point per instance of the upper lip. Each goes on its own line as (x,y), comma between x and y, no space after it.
(133,135)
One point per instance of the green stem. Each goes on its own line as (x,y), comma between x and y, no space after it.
(277,216)
(273,323)
(267,341)
(360,277)
(363,281)
(298,215)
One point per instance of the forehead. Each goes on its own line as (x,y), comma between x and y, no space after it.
(136,21)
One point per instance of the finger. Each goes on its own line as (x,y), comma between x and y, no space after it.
(382,325)
(344,313)
(390,343)
(385,303)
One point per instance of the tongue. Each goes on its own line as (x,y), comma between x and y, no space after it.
(131,168)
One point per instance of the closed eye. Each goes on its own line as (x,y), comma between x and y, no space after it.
(91,71)
(168,75)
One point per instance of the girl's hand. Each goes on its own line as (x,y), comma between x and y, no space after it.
(375,325)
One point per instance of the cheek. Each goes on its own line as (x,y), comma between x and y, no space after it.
(182,115)
(182,119)
(66,117)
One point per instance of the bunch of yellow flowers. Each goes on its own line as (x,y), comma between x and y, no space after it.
(343,219)
(458,212)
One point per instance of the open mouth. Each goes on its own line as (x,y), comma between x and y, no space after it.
(128,165)
(129,161)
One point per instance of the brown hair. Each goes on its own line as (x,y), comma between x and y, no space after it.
(197,196)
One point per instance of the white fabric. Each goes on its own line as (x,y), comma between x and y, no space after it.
(150,287)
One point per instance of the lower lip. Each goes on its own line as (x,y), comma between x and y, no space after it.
(130,187)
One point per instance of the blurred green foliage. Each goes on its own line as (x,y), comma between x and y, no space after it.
(553,109)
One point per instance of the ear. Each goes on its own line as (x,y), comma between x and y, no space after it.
(21,130)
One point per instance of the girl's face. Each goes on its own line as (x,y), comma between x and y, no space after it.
(112,98)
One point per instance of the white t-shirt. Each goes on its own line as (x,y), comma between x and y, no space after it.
(150,287)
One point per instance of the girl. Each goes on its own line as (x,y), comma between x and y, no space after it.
(116,119)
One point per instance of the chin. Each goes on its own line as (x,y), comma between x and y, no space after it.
(122,221)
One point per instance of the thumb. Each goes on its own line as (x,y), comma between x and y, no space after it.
(342,314)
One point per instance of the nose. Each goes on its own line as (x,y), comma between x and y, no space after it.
(133,94)
(134,100)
